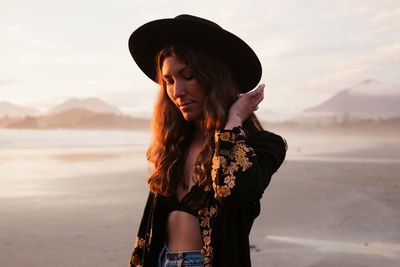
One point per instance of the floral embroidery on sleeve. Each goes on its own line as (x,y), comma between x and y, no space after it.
(232,155)
(136,259)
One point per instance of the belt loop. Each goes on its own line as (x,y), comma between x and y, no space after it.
(180,257)
(166,259)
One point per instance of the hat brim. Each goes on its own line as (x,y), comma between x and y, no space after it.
(146,42)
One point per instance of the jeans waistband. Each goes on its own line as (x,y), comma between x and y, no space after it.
(179,258)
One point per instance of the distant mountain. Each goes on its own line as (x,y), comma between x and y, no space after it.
(13,111)
(92,104)
(367,100)
(78,118)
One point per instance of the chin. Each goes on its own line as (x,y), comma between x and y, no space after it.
(190,117)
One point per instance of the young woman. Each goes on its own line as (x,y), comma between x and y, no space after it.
(211,158)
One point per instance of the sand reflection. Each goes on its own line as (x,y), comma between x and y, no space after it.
(386,250)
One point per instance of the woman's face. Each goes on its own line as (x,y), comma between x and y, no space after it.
(183,89)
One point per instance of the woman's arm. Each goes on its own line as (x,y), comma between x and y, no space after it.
(242,167)
(243,107)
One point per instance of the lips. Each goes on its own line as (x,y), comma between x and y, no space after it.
(185,105)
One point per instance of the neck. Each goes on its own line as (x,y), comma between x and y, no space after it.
(197,126)
(198,135)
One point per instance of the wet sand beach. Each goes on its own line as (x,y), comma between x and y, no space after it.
(330,214)
(330,204)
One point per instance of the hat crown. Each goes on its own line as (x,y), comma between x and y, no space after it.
(149,39)
(197,19)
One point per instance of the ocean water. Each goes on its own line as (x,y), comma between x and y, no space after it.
(31,158)
(17,139)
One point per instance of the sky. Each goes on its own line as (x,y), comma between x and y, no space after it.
(51,51)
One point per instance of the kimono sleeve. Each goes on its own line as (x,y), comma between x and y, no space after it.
(242,167)
(143,238)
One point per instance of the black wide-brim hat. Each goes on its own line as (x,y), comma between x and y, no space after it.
(147,41)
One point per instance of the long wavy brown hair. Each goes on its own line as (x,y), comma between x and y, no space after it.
(172,134)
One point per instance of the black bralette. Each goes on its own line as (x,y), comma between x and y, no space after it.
(191,203)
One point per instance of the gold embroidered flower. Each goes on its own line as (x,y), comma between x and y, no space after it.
(240,152)
(207,240)
(135,260)
(240,161)
(247,165)
(213,211)
(140,242)
(205,221)
(241,147)
(218,162)
(209,250)
(230,181)
(223,191)
(233,167)
(203,212)
(225,136)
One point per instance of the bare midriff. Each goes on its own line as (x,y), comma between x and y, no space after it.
(183,232)
(183,229)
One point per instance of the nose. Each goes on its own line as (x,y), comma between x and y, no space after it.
(179,89)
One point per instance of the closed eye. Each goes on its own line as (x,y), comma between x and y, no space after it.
(169,82)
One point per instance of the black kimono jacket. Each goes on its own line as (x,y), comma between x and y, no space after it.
(242,169)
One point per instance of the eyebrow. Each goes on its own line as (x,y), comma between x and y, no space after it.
(179,72)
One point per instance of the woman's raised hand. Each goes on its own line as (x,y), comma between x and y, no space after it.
(244,106)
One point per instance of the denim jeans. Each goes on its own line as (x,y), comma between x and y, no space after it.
(180,259)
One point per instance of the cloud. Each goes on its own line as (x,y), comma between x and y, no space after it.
(336,76)
(351,70)
(384,15)
(12,28)
(386,28)
(387,51)
(7,80)
(363,9)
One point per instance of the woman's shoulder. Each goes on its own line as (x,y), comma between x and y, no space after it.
(266,137)
(270,145)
